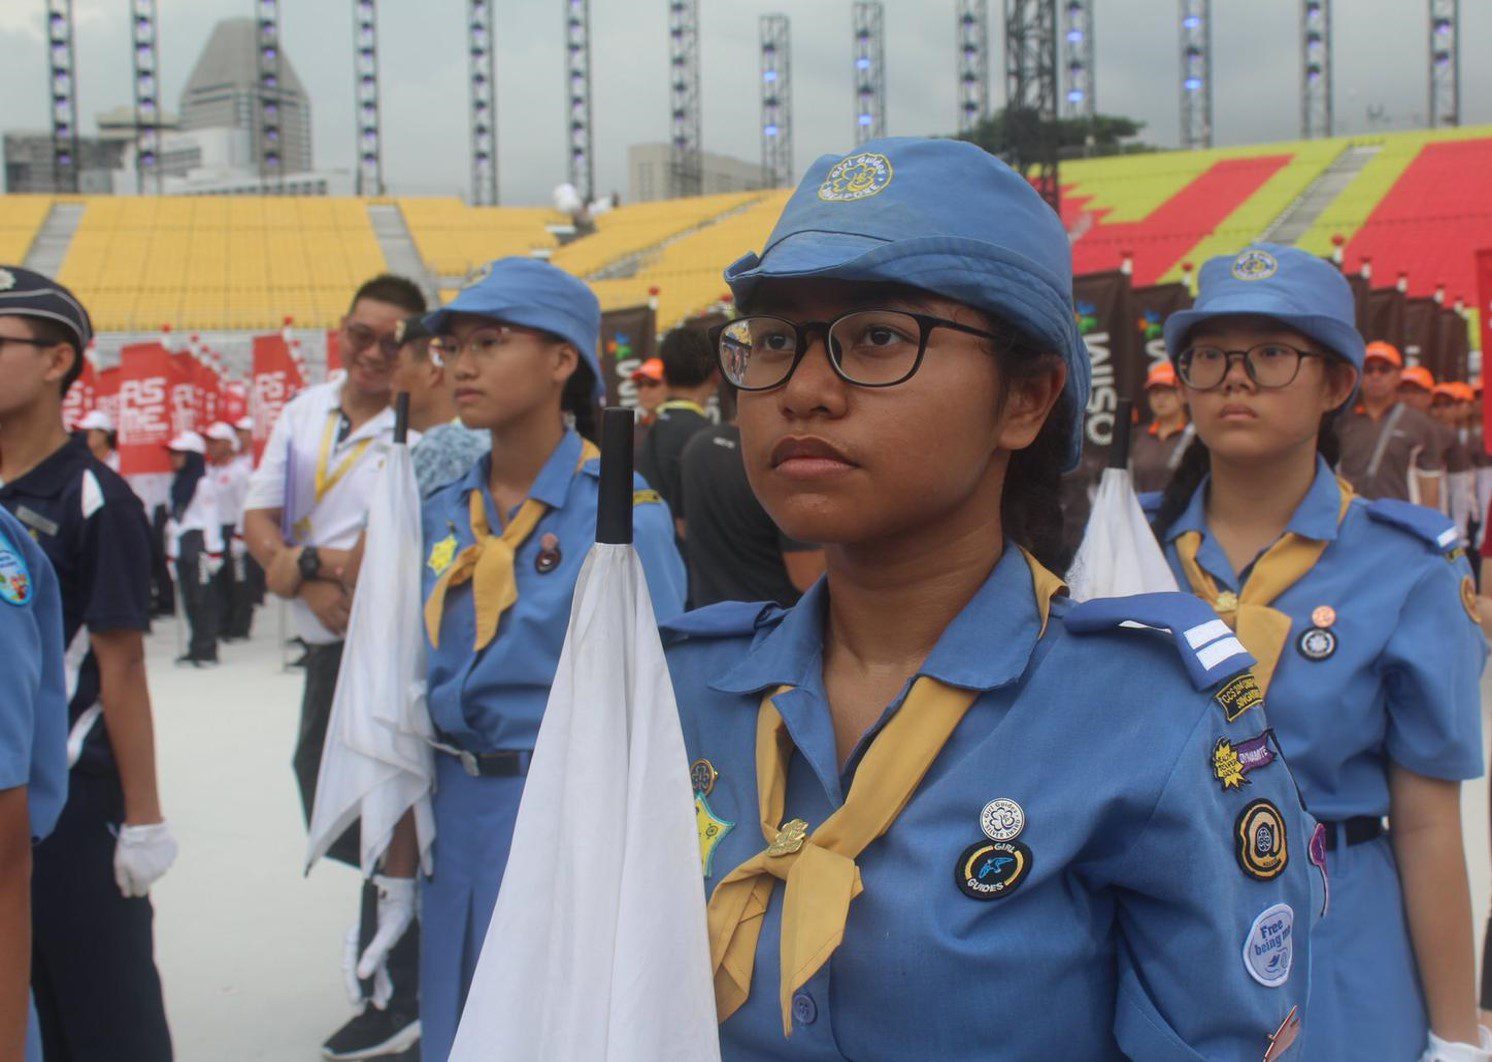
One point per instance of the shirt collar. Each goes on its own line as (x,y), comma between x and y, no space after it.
(1315,517)
(48,479)
(551,485)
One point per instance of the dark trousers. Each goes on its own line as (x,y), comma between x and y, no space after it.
(236,608)
(160,567)
(322,665)
(200,597)
(98,995)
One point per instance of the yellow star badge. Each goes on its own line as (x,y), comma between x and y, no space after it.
(441,554)
(1226,766)
(712,830)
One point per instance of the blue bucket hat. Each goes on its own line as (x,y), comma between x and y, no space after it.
(534,294)
(1303,292)
(941,215)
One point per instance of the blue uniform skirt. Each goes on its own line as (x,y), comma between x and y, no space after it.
(1366,1000)
(473,831)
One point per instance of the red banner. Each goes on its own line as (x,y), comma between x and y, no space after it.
(207,384)
(106,394)
(1484,325)
(186,414)
(333,352)
(277,379)
(233,401)
(82,396)
(145,411)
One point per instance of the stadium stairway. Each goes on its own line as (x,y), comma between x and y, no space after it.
(54,238)
(1322,192)
(397,244)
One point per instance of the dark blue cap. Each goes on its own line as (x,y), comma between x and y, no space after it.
(1288,285)
(26,293)
(941,215)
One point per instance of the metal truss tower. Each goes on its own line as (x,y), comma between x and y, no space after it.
(973,63)
(1315,69)
(365,93)
(267,144)
(146,61)
(1196,73)
(870,70)
(1031,93)
(483,103)
(686,175)
(1081,98)
(1445,62)
(777,101)
(582,170)
(63,92)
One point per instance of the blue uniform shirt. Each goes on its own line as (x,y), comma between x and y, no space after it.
(1128,933)
(1401,681)
(494,699)
(93,529)
(33,698)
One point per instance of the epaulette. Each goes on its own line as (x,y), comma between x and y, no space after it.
(724,619)
(1208,647)
(1425,524)
(1150,503)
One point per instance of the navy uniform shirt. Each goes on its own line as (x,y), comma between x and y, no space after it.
(92,528)
(1164,907)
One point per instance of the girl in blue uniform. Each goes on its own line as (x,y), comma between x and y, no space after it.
(504,546)
(943,813)
(1363,619)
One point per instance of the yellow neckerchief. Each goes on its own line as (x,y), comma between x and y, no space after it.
(819,869)
(1262,630)
(326,478)
(488,563)
(683,403)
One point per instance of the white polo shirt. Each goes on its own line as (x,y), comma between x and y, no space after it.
(322,485)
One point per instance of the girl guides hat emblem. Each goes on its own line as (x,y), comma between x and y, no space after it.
(1254,264)
(858,176)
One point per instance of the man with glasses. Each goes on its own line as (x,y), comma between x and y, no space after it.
(306,506)
(1390,450)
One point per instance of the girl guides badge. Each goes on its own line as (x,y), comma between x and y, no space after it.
(15,577)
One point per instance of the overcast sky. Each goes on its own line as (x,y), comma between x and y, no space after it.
(1380,48)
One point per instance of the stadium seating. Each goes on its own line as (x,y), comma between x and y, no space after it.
(630,229)
(21,216)
(453,238)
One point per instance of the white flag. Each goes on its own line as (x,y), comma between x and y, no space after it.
(1119,555)
(378,762)
(598,949)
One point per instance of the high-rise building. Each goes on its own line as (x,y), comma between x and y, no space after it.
(224,85)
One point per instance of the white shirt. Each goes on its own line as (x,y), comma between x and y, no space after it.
(293,463)
(232,482)
(201,514)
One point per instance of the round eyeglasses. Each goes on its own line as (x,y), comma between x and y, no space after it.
(1269,365)
(868,348)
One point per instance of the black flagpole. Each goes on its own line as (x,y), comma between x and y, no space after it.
(614,507)
(1124,414)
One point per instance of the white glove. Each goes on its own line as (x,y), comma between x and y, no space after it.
(210,565)
(1439,1050)
(141,856)
(396,899)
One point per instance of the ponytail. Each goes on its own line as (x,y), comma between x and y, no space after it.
(1031,506)
(577,401)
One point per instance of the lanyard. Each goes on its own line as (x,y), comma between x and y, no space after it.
(326,478)
(683,403)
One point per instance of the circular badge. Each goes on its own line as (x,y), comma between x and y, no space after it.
(1002,820)
(1323,615)
(992,870)
(1269,949)
(1316,643)
(1255,264)
(549,554)
(1259,834)
(702,775)
(15,577)
(857,176)
(1468,599)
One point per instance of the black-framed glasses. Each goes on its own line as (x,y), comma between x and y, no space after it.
(867,348)
(484,344)
(1269,365)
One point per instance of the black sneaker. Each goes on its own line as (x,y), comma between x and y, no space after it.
(373,1034)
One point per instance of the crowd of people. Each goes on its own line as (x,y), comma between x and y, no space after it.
(944,810)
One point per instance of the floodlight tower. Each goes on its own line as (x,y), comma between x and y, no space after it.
(1445,62)
(973,63)
(1080,100)
(685,163)
(63,94)
(582,169)
(145,58)
(483,99)
(1315,69)
(365,89)
(1031,93)
(777,101)
(1196,73)
(870,70)
(267,147)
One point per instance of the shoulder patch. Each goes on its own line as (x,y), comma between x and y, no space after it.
(726,619)
(15,575)
(1209,649)
(93,494)
(646,497)
(1429,526)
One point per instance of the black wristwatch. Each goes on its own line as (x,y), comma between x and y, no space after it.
(309,563)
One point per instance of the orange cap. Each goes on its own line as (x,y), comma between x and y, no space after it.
(1418,376)
(1447,390)
(1163,374)
(652,369)
(1386,351)
(1464,393)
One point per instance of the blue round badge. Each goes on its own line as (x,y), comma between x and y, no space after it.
(15,577)
(1255,264)
(855,177)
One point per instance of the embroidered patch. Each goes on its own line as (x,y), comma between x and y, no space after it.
(858,176)
(1232,763)
(1269,949)
(1468,599)
(441,554)
(15,577)
(712,830)
(646,497)
(1239,696)
(992,870)
(1316,643)
(1259,840)
(702,775)
(1002,819)
(1255,264)
(1283,1038)
(1316,852)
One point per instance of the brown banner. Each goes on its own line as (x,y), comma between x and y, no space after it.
(628,338)
(1360,286)
(1384,318)
(1151,306)
(1422,335)
(1455,346)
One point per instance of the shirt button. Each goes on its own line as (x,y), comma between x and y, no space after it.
(805,1010)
